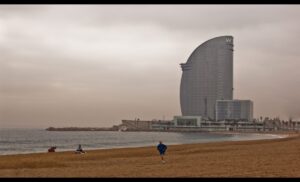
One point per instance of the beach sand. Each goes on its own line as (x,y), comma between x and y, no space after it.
(260,158)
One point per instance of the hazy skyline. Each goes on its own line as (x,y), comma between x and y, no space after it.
(94,65)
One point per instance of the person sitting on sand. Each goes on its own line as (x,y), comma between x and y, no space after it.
(79,150)
(162,149)
(51,149)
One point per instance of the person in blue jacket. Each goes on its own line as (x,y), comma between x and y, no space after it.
(162,149)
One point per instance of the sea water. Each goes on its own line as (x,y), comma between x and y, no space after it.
(18,141)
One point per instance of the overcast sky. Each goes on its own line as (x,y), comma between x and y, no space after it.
(94,65)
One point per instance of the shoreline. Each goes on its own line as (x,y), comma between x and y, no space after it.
(278,135)
(253,158)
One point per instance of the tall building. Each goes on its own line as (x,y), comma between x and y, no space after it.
(234,110)
(207,77)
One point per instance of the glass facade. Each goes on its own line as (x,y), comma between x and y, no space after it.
(207,76)
(187,122)
(234,110)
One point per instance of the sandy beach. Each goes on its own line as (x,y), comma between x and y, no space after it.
(260,158)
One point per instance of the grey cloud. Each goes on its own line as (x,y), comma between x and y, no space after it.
(100,64)
(197,18)
(200,17)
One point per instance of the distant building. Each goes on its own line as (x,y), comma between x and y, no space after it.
(207,76)
(187,121)
(144,125)
(136,124)
(234,110)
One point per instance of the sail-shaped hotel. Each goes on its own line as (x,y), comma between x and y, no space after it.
(207,77)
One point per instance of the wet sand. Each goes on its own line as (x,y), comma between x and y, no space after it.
(259,158)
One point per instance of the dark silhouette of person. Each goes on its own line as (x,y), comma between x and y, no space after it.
(51,149)
(162,149)
(79,150)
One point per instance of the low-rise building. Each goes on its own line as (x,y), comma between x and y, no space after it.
(187,121)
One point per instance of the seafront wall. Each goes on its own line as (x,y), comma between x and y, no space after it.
(206,126)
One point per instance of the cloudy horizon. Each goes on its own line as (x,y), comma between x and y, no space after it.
(94,65)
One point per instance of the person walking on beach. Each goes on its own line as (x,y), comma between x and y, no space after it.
(79,150)
(162,149)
